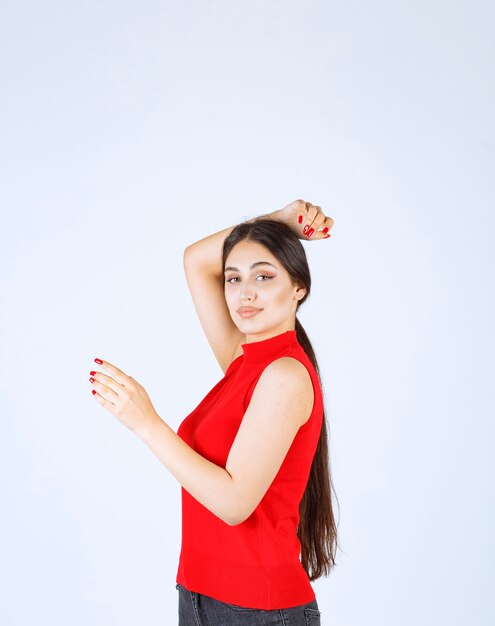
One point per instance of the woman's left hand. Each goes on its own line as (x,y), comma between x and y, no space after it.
(124,397)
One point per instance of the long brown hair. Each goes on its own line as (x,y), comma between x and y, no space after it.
(317,531)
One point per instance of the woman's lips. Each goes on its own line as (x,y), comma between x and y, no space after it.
(249,313)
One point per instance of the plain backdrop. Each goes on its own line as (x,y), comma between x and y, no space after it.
(130,130)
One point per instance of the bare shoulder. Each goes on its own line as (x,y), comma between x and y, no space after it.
(286,379)
(289,367)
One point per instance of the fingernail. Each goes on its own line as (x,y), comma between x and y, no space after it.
(93,391)
(300,219)
(311,231)
(305,229)
(99,361)
(91,380)
(92,373)
(325,230)
(327,236)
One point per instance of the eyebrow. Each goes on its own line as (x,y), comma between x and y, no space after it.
(236,269)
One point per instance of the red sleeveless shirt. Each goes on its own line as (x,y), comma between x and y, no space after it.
(254,564)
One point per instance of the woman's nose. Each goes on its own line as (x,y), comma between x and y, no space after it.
(247,292)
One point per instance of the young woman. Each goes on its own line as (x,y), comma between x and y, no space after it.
(252,457)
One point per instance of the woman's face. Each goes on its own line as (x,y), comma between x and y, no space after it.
(267,288)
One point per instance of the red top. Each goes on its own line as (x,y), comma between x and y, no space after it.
(256,563)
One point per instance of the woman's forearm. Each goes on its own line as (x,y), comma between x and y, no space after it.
(207,252)
(208,483)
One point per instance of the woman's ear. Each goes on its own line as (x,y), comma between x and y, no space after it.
(300,293)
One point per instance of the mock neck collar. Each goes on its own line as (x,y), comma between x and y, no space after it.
(256,351)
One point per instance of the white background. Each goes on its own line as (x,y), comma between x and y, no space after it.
(130,130)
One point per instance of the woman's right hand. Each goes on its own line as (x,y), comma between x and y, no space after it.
(314,224)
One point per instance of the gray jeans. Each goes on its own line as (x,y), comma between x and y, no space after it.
(196,609)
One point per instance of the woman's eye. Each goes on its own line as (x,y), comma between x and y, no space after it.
(259,276)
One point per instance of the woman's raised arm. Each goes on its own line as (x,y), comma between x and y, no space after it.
(205,279)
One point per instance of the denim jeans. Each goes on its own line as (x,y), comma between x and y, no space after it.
(196,609)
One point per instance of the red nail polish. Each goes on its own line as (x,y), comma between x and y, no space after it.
(325,230)
(93,391)
(92,373)
(327,236)
(311,231)
(91,380)
(99,361)
(300,219)
(305,229)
